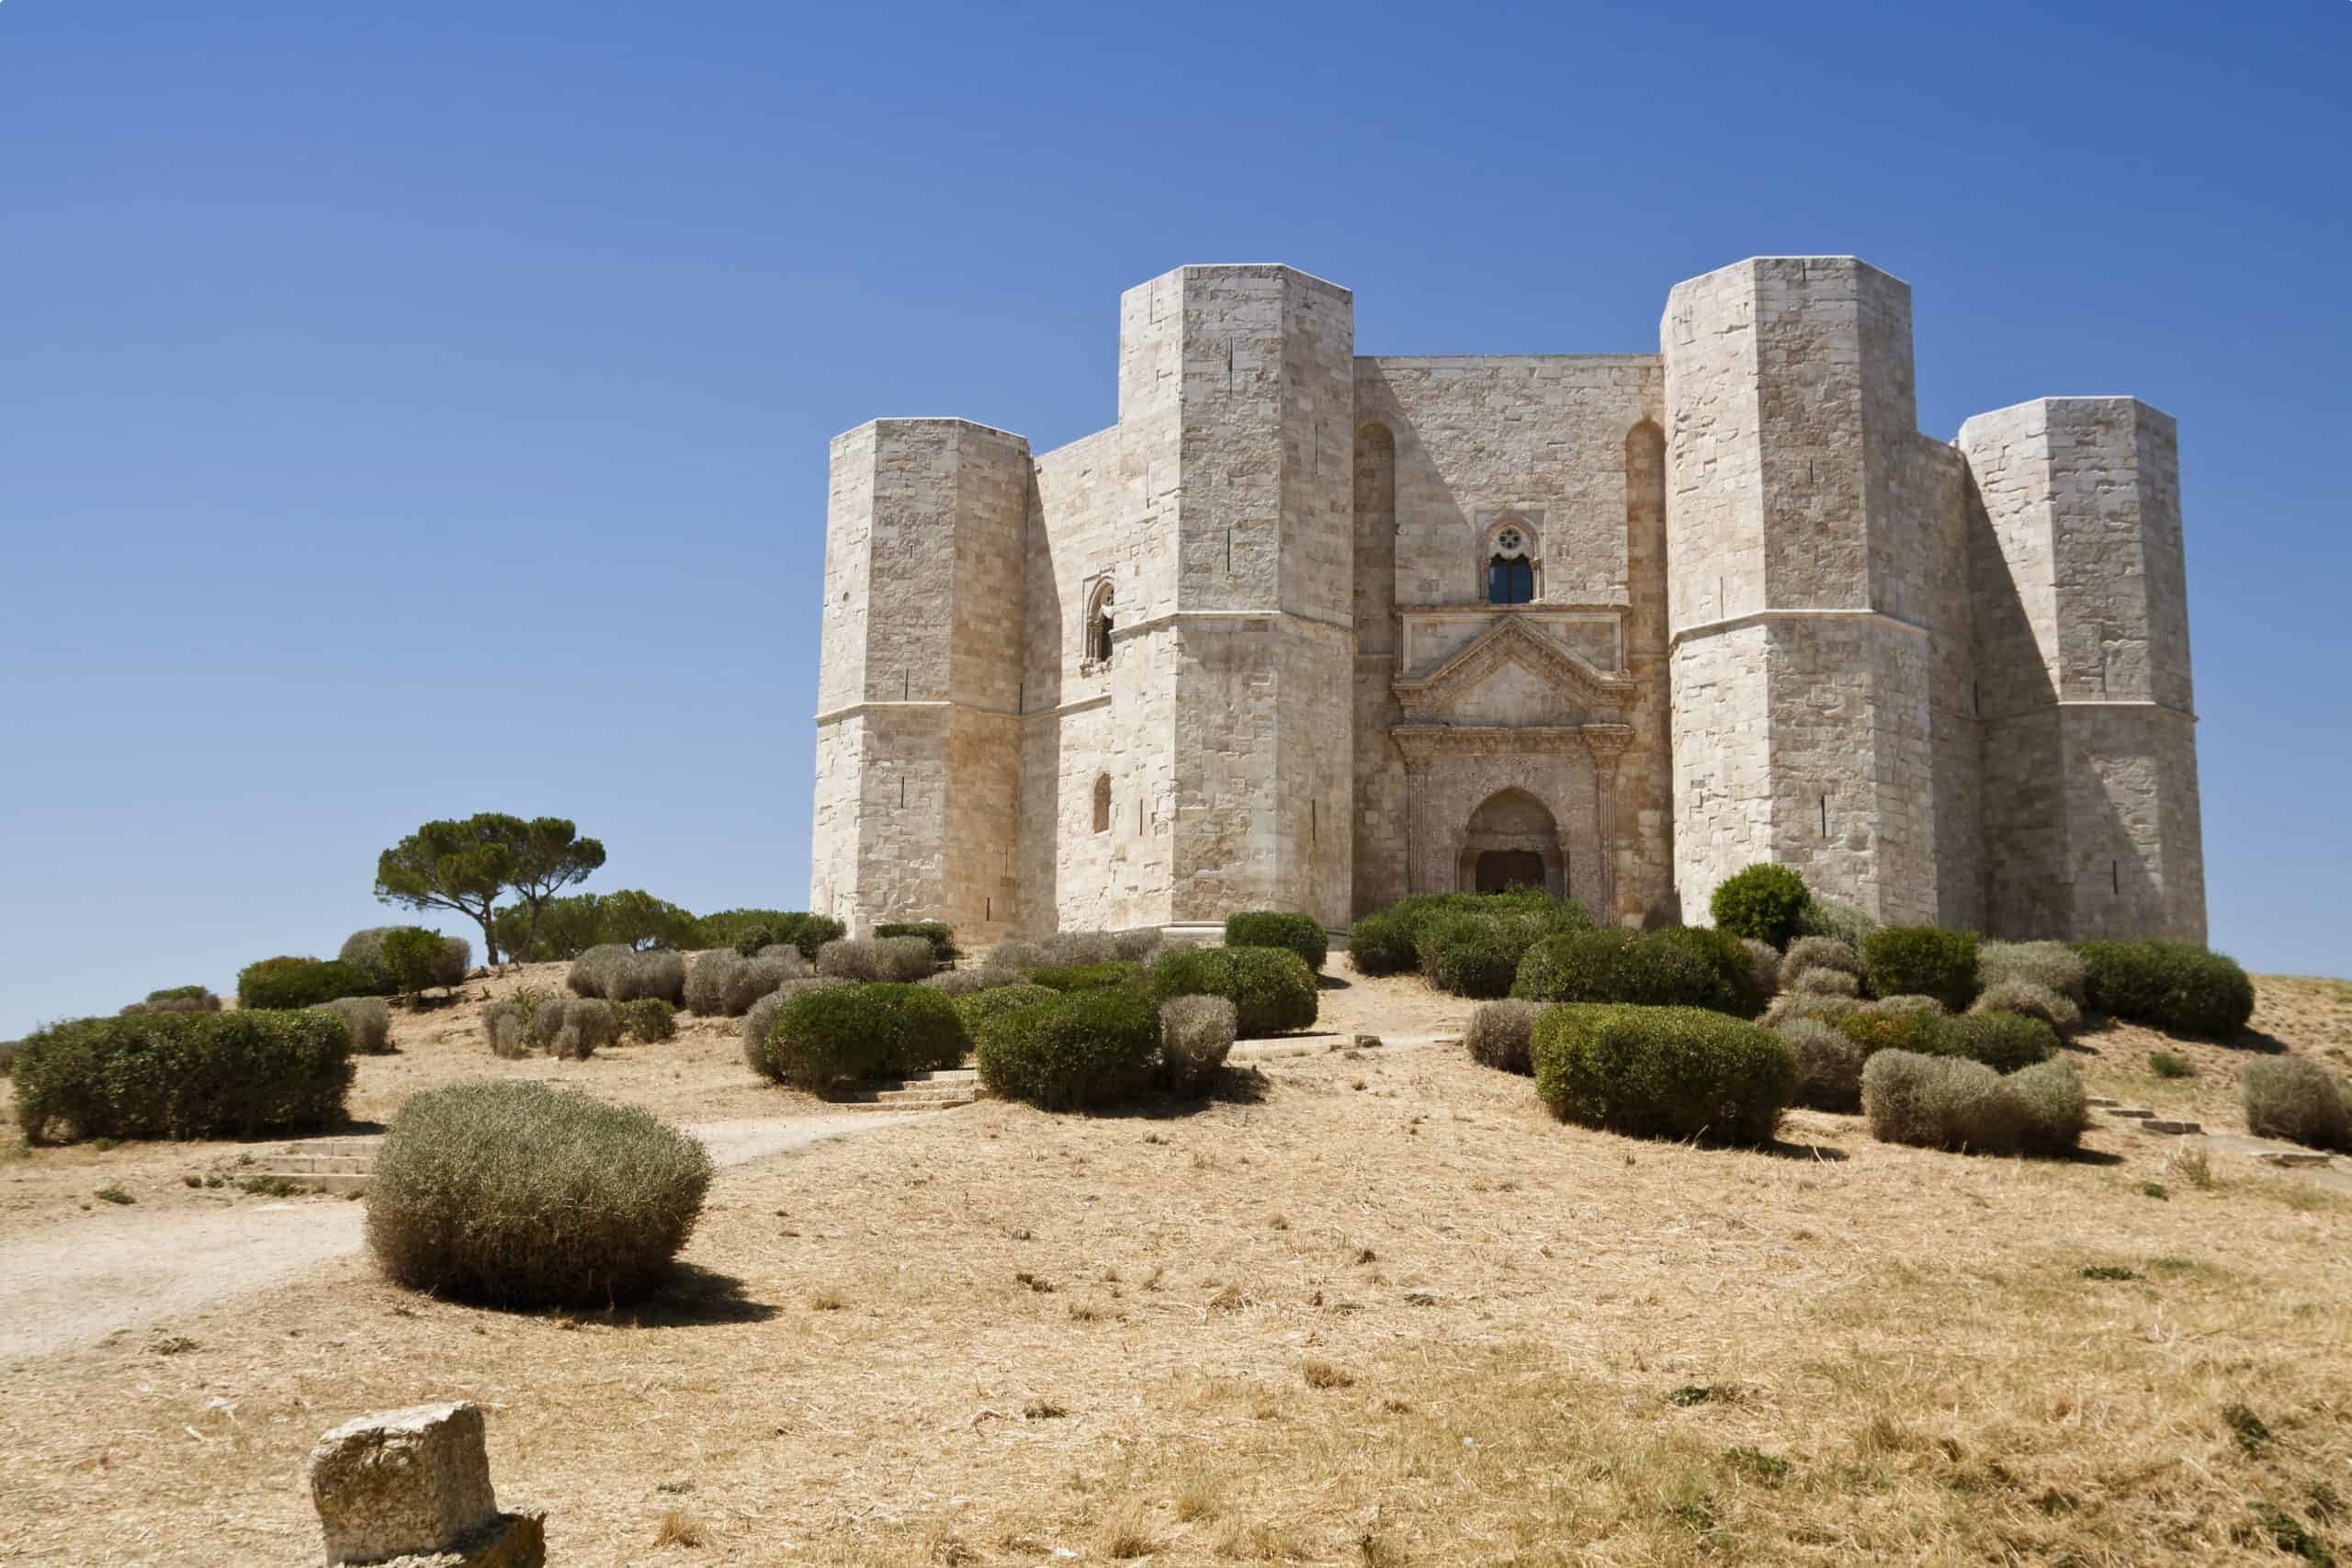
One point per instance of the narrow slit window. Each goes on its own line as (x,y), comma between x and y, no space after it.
(1102,803)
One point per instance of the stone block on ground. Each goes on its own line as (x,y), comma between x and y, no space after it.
(400,1482)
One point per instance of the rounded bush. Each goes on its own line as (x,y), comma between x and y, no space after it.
(574,1028)
(1139,946)
(522,1195)
(833,1034)
(752,940)
(649,1019)
(978,1007)
(1879,1026)
(2052,965)
(366,949)
(2051,1007)
(1922,961)
(1827,982)
(1083,1048)
(937,933)
(1381,945)
(369,1021)
(1302,934)
(1790,1006)
(657,975)
(1682,1073)
(961,982)
(1466,955)
(288,982)
(176,999)
(1811,953)
(2004,1042)
(184,1075)
(1678,966)
(1842,922)
(1829,1065)
(413,959)
(760,1018)
(1271,991)
(2173,986)
(1500,1033)
(897,959)
(1765,902)
(2297,1099)
(597,972)
(1087,976)
(1195,1037)
(1763,966)
(1951,1103)
(1070,950)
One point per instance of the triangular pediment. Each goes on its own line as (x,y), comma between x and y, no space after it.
(1512,675)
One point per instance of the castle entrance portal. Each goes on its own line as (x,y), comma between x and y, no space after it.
(1512,841)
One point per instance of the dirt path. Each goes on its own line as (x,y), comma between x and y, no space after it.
(120,1270)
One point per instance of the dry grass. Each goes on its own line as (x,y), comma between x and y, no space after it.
(1902,1358)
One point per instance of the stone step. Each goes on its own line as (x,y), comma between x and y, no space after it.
(2101,1101)
(2158,1125)
(2280,1157)
(323,1165)
(364,1148)
(945,1075)
(2135,1113)
(903,1105)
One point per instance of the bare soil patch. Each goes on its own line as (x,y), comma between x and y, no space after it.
(1378,1309)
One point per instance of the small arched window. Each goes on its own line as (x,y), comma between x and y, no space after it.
(1510,565)
(1097,626)
(1102,803)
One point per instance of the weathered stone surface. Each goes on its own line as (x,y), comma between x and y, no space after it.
(401,1482)
(1236,650)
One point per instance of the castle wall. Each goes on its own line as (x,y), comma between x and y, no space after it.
(1805,738)
(1547,437)
(918,755)
(2092,818)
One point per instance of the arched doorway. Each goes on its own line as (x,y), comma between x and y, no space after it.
(1512,841)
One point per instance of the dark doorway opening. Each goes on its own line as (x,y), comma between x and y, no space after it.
(1499,871)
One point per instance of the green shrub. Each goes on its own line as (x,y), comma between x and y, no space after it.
(8,1049)
(1952,1103)
(1827,982)
(1381,945)
(2051,1108)
(760,1018)
(649,1019)
(1765,902)
(1083,1048)
(1467,954)
(366,949)
(1074,950)
(980,1006)
(369,1021)
(2033,1001)
(1086,976)
(618,973)
(830,1035)
(1841,922)
(522,1195)
(1809,954)
(1877,1026)
(288,982)
(1678,966)
(413,959)
(176,999)
(1924,961)
(728,927)
(1764,966)
(900,960)
(1500,1033)
(2173,986)
(940,935)
(184,1075)
(1273,991)
(752,939)
(1790,1006)
(597,971)
(2286,1097)
(953,983)
(2164,1065)
(573,1029)
(2004,1042)
(2052,965)
(1195,1037)
(1670,1072)
(1829,1065)
(719,984)
(1302,935)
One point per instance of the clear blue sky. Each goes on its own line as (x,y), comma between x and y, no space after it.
(411,411)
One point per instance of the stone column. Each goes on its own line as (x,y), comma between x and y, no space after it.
(1608,743)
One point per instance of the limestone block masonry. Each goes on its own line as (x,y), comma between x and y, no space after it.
(1312,631)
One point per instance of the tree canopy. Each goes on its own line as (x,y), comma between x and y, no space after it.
(468,865)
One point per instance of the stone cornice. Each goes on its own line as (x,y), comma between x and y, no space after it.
(1761,618)
(1421,741)
(901,704)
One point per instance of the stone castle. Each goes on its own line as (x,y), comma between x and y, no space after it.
(1305,630)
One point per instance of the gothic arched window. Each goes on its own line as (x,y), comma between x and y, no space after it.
(1102,803)
(1097,626)
(1511,567)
